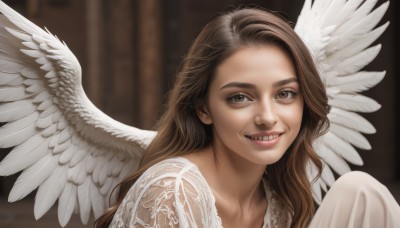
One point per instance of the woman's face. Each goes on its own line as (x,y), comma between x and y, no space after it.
(254,104)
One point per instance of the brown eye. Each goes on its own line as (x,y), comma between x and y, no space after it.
(239,98)
(286,94)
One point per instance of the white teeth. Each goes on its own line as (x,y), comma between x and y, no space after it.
(264,138)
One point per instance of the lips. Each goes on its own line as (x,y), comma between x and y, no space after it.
(264,136)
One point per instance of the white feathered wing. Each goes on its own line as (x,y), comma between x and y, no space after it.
(339,34)
(64,145)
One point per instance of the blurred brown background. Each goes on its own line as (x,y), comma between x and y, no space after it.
(130,52)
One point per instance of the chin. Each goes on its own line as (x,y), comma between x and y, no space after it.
(267,160)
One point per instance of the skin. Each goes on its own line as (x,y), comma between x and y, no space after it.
(255,109)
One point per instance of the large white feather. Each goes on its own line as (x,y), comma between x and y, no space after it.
(339,35)
(327,175)
(11,79)
(66,205)
(357,62)
(354,102)
(353,48)
(32,177)
(97,201)
(357,29)
(11,93)
(350,136)
(50,191)
(24,155)
(357,82)
(15,110)
(17,132)
(351,120)
(84,201)
(331,158)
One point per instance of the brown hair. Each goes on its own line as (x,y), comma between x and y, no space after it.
(180,131)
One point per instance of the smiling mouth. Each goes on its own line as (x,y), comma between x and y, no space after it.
(263,138)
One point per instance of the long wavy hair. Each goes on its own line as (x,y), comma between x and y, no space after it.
(180,131)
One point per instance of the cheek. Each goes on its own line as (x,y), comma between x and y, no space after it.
(228,120)
(292,115)
(295,116)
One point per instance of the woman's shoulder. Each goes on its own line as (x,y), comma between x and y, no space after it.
(173,164)
(169,176)
(167,191)
(172,168)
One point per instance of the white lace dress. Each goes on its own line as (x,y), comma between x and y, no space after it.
(173,193)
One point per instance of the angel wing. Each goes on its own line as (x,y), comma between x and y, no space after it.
(339,34)
(64,145)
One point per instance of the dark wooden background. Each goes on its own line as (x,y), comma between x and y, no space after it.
(130,51)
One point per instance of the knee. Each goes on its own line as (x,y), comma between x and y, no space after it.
(356,176)
(358,200)
(357,181)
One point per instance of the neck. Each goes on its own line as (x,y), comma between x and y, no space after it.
(233,178)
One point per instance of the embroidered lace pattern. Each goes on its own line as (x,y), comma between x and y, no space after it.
(173,193)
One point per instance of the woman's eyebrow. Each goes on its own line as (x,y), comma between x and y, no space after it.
(239,85)
(251,86)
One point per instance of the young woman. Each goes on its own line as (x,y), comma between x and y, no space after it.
(234,142)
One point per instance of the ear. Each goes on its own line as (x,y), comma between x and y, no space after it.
(204,114)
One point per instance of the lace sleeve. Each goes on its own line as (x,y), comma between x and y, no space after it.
(168,197)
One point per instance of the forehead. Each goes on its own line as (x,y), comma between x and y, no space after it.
(255,64)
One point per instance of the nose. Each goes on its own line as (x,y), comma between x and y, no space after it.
(265,115)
